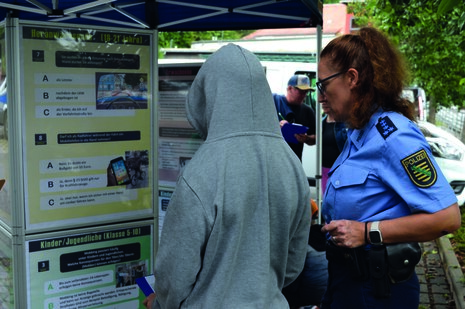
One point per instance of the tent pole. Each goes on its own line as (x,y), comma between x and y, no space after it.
(319,129)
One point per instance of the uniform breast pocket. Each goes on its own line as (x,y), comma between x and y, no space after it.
(349,191)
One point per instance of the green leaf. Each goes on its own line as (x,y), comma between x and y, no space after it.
(446,6)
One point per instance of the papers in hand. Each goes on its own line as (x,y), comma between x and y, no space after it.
(146,284)
(289,129)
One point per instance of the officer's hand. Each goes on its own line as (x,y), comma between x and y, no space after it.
(346,233)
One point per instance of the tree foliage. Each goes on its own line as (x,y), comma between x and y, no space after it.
(446,5)
(184,39)
(432,42)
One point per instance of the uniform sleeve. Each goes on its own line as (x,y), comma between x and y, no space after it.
(410,169)
(180,254)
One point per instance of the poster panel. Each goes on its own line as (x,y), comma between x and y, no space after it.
(5,201)
(177,140)
(164,197)
(89,270)
(86,101)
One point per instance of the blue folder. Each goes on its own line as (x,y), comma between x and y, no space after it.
(289,129)
(145,284)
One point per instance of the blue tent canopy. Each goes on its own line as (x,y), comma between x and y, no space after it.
(171,15)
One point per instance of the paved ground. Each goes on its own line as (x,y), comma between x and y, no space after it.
(442,284)
(441,280)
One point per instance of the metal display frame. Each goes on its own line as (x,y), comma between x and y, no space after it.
(17,235)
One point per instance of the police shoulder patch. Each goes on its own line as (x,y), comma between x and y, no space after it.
(420,169)
(385,127)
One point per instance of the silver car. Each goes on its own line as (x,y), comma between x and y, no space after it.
(449,153)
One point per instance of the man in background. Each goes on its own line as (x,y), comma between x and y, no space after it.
(292,109)
(310,285)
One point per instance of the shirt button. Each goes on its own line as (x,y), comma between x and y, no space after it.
(337,182)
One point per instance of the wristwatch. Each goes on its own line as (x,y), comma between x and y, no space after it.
(375,234)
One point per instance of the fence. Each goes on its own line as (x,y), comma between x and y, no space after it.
(452,120)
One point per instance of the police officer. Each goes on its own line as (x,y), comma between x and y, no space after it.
(385,190)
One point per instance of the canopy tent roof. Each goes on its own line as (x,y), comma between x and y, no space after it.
(170,15)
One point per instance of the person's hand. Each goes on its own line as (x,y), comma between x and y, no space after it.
(346,233)
(301,138)
(110,177)
(304,138)
(282,123)
(311,139)
(148,301)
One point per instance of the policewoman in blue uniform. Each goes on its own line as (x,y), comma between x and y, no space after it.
(385,192)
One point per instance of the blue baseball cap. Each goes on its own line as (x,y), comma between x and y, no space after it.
(301,82)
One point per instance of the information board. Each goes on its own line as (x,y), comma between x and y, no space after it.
(89,270)
(177,140)
(164,198)
(87,100)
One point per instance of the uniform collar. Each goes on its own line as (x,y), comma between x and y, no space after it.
(359,136)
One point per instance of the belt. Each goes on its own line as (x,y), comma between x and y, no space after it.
(355,259)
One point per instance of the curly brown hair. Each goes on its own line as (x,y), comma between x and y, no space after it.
(382,73)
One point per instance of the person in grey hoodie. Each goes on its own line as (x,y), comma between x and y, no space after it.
(236,229)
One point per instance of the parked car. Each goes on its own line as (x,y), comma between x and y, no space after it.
(449,153)
(417,96)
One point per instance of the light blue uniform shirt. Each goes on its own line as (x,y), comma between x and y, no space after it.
(385,171)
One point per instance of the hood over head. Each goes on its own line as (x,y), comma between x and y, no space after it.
(230,95)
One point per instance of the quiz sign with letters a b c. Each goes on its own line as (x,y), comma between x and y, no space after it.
(90,269)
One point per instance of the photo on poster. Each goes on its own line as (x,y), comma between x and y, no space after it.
(121,90)
(138,165)
(120,171)
(131,171)
(127,273)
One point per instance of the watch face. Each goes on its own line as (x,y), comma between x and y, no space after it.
(375,237)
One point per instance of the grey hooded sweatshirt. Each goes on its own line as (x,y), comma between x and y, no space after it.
(236,229)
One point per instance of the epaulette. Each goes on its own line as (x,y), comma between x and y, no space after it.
(385,126)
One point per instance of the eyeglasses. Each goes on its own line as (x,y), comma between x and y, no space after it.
(321,87)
